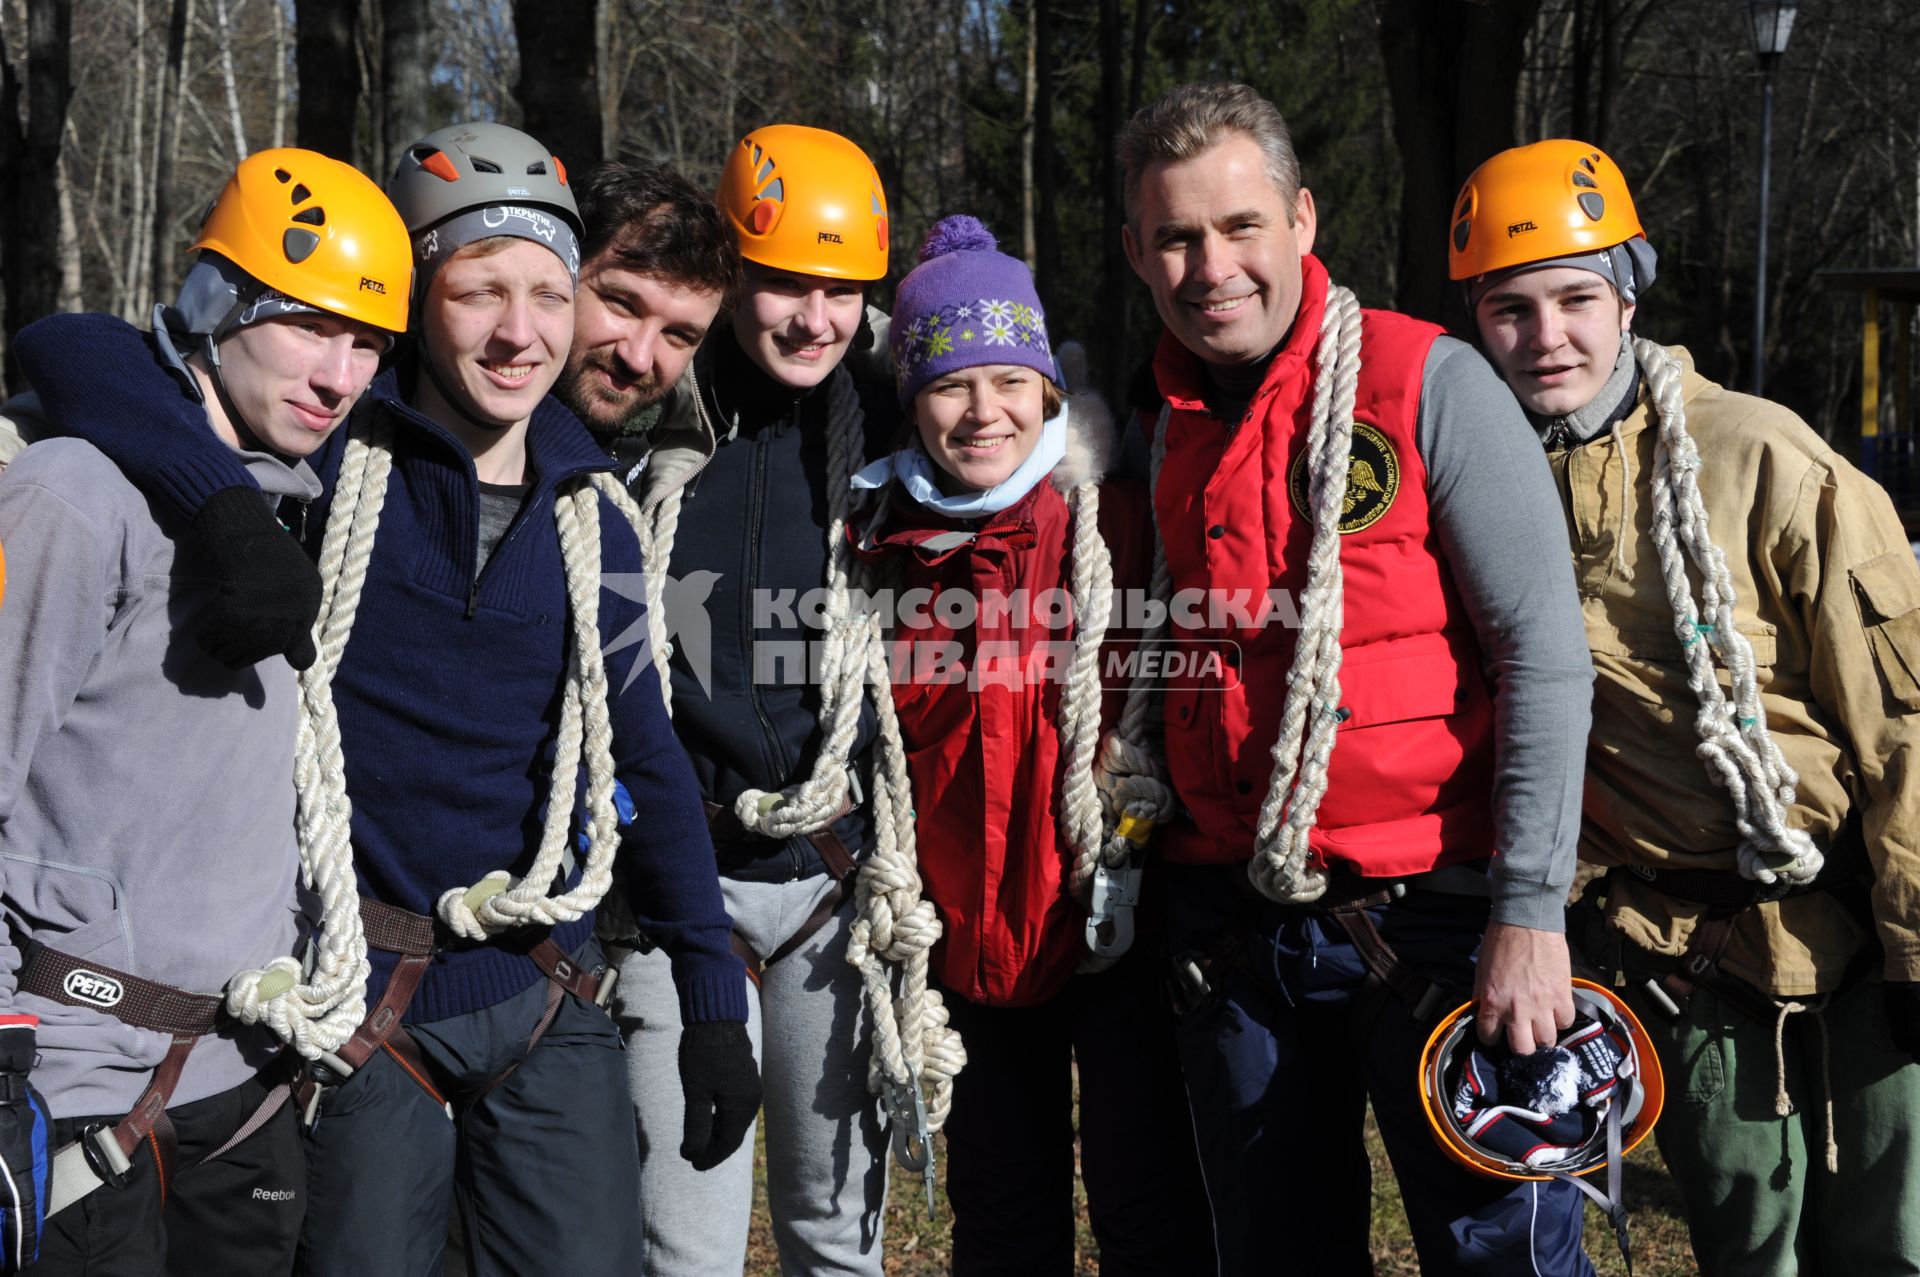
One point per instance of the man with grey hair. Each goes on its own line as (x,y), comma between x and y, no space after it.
(1381,789)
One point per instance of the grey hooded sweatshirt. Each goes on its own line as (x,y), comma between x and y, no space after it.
(146,791)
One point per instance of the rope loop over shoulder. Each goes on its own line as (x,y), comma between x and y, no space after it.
(1281,867)
(1739,752)
(319,1014)
(498,903)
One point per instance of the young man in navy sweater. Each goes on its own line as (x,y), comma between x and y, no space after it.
(472,718)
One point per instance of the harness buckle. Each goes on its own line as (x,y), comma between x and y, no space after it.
(1114,894)
(912,1140)
(104,1155)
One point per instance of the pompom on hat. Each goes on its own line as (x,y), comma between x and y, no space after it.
(966,304)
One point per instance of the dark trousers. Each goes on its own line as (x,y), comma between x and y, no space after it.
(236,1216)
(1009,1137)
(544,1168)
(1281,1060)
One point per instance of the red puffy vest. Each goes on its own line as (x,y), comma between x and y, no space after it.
(985,753)
(1410,781)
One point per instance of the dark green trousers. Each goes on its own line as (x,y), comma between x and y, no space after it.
(1759,1197)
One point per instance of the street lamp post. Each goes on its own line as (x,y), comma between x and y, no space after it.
(1771,22)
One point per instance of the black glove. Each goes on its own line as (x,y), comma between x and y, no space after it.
(26,1155)
(1903,1015)
(269,589)
(722,1086)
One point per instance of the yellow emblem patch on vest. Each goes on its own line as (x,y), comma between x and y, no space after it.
(1373,480)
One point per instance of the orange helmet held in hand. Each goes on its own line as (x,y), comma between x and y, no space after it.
(806,200)
(1576,1106)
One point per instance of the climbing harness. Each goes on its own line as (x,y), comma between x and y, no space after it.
(103,1154)
(418,939)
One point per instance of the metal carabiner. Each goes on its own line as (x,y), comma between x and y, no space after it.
(1111,900)
(912,1140)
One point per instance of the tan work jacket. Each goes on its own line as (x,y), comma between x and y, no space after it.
(1828,593)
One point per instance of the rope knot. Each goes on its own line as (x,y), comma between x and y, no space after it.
(474,913)
(1790,856)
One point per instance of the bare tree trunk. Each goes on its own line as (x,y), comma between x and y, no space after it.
(163,247)
(102,248)
(607,56)
(279,73)
(224,33)
(559,86)
(128,304)
(1137,59)
(1029,246)
(327,65)
(69,245)
(30,157)
(406,66)
(1047,231)
(1110,353)
(1452,68)
(371,38)
(728,129)
(1579,119)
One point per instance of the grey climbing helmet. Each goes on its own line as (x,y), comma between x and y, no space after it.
(470,182)
(468,166)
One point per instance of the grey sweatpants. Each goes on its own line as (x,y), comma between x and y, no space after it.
(826,1142)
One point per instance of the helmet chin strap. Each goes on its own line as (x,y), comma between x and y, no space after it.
(243,432)
(249,440)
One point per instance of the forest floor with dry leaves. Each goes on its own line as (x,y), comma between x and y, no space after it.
(917,1247)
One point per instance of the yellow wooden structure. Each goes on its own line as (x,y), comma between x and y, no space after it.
(1889,435)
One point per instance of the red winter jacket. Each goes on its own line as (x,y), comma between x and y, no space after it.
(1409,786)
(981,729)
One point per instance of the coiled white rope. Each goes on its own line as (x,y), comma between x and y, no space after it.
(319,1015)
(1310,714)
(1738,750)
(895,926)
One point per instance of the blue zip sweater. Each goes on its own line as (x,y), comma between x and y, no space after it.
(449,689)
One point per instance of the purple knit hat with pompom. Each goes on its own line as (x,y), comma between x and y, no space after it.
(966,304)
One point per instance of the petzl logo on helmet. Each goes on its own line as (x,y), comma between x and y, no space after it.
(372,286)
(1373,480)
(1520,228)
(829,237)
(93,988)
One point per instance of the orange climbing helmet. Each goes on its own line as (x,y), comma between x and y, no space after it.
(1544,1116)
(316,230)
(1554,199)
(805,200)
(1572,1108)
